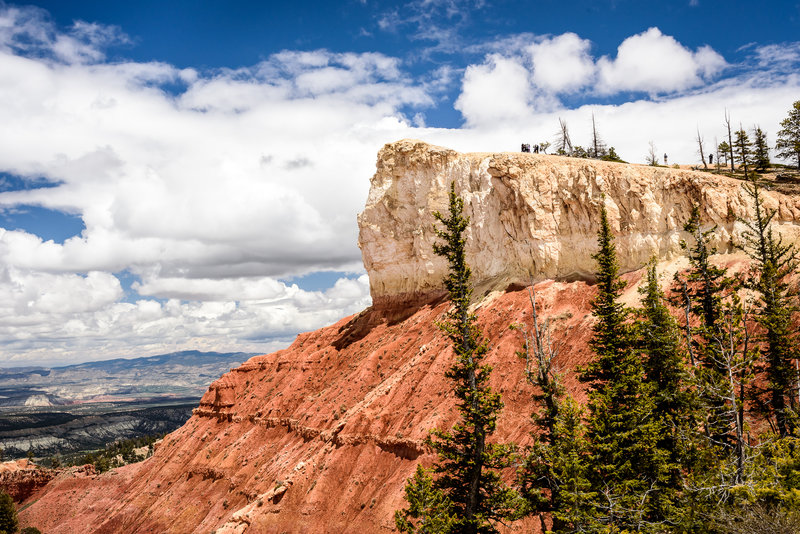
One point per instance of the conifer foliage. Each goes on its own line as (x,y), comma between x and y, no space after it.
(773,261)
(788,144)
(467,469)
(628,467)
(760,149)
(8,514)
(659,339)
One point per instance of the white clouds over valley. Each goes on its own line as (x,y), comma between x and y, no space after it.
(210,187)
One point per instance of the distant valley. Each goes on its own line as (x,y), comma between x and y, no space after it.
(77,408)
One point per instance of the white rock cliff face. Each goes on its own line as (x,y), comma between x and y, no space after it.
(536,215)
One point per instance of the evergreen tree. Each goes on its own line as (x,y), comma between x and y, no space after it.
(705,285)
(467,468)
(628,469)
(9,524)
(773,262)
(743,150)
(788,145)
(612,156)
(760,149)
(554,477)
(659,339)
(429,511)
(724,149)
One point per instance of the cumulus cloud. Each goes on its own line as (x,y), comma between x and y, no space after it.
(237,179)
(496,91)
(45,322)
(528,73)
(562,63)
(655,63)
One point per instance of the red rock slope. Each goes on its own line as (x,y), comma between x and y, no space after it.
(319,437)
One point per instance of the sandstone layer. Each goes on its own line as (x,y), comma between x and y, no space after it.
(535,215)
(320,437)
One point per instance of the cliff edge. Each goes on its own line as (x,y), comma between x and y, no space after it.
(536,215)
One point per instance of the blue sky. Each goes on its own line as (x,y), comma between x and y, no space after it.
(187,174)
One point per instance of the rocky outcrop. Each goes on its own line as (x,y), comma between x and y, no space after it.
(320,437)
(534,215)
(22,478)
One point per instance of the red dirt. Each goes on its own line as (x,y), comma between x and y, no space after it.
(319,437)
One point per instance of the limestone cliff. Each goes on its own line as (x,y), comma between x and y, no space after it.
(534,214)
(321,436)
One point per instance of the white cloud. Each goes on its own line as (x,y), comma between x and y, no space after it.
(28,29)
(209,194)
(494,92)
(44,322)
(783,55)
(656,63)
(562,63)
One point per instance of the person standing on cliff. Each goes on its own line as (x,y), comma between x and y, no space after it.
(665,158)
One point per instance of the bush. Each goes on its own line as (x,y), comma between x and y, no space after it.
(8,514)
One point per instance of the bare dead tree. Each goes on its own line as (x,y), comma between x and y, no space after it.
(730,137)
(598,148)
(734,355)
(700,149)
(539,352)
(563,142)
(652,157)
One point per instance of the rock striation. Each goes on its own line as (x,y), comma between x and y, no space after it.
(320,437)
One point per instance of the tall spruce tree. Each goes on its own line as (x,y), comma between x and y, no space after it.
(468,466)
(554,477)
(760,149)
(659,338)
(704,286)
(773,262)
(743,150)
(628,468)
(788,144)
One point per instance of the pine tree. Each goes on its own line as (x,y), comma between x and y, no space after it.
(9,523)
(429,511)
(628,469)
(760,149)
(468,466)
(743,150)
(554,477)
(724,149)
(788,145)
(659,338)
(705,285)
(773,262)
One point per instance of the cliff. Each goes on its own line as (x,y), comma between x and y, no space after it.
(321,436)
(536,215)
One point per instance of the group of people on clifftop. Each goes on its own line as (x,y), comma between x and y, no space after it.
(526,147)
